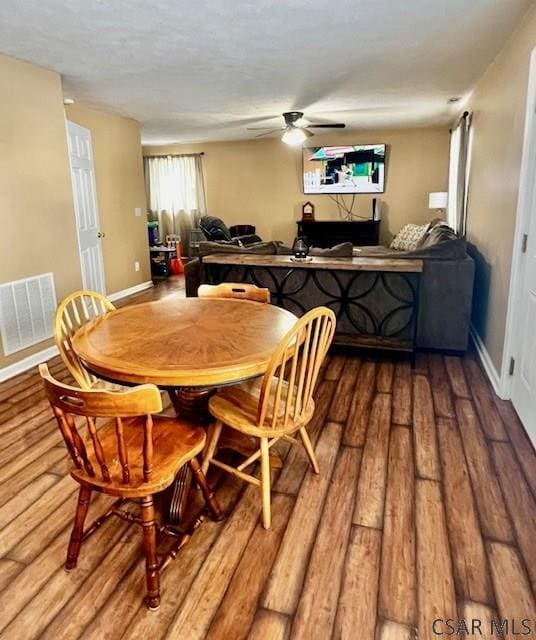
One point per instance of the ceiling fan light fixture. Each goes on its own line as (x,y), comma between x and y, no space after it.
(301,122)
(294,136)
(297,128)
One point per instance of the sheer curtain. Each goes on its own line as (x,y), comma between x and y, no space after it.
(176,193)
(458,174)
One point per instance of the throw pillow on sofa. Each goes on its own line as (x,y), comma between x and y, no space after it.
(342,250)
(207,247)
(438,233)
(409,237)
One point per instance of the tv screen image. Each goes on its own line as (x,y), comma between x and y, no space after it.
(344,169)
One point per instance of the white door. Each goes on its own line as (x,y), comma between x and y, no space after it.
(85,207)
(524,381)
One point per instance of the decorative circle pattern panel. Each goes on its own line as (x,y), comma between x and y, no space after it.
(367,303)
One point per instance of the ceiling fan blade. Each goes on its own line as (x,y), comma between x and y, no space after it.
(263,128)
(334,125)
(267,133)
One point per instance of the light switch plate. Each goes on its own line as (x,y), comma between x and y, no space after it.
(137,212)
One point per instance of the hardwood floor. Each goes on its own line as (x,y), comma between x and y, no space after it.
(425,508)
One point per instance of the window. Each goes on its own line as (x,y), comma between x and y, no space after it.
(172,184)
(175,194)
(458,174)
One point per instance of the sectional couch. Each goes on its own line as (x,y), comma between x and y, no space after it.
(444,293)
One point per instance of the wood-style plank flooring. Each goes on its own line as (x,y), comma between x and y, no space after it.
(425,508)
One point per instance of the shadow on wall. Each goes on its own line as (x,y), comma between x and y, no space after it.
(386,237)
(285,231)
(481,290)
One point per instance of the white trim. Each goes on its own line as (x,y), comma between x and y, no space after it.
(27,363)
(487,363)
(528,169)
(42,356)
(130,291)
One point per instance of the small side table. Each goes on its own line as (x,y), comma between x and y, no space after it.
(160,259)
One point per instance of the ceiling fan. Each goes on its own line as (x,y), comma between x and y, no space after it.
(296,128)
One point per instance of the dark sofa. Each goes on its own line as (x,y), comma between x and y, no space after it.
(446,285)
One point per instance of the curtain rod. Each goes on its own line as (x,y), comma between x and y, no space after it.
(175,155)
(464,116)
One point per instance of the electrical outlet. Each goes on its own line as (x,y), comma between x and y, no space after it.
(137,213)
(136,266)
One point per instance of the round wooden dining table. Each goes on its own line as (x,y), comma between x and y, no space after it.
(188,346)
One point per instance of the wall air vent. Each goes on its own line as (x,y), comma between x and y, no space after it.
(27,312)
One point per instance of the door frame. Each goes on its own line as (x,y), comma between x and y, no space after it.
(94,186)
(523,219)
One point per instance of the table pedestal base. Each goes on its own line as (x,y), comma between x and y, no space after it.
(191,403)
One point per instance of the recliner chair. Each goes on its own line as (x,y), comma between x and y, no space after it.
(216,230)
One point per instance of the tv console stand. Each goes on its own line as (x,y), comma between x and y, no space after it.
(327,233)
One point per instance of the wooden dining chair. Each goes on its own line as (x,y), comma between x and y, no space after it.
(132,455)
(72,313)
(277,406)
(234,290)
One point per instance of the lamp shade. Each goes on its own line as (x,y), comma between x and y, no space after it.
(438,200)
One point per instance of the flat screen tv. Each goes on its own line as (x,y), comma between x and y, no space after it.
(345,169)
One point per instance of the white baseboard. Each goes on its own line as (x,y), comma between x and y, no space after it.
(44,355)
(487,363)
(27,363)
(130,291)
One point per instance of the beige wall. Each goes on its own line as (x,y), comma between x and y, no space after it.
(260,181)
(36,207)
(120,189)
(38,232)
(498,103)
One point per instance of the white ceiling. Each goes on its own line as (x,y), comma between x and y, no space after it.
(205,70)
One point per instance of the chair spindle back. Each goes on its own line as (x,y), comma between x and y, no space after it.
(290,379)
(238,290)
(72,313)
(70,403)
